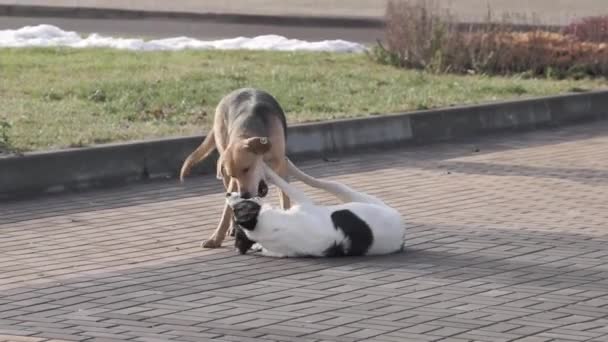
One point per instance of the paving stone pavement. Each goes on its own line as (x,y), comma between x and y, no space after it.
(506,241)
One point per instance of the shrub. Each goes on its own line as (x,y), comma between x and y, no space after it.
(418,35)
(421,36)
(544,53)
(589,29)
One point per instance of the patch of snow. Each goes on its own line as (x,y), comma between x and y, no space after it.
(52,36)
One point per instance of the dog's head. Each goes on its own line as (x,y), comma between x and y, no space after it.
(242,162)
(245,210)
(245,216)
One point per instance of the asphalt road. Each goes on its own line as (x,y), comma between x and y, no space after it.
(551,11)
(547,12)
(160,28)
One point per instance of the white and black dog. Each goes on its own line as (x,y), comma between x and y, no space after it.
(362,225)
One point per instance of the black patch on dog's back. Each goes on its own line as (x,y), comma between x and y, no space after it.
(355,229)
(245,214)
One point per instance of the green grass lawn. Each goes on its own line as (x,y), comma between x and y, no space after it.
(54,98)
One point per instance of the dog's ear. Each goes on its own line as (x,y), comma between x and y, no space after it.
(241,241)
(257,145)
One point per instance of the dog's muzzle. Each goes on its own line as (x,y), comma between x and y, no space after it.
(262,189)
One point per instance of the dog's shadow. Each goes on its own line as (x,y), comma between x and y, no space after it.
(502,255)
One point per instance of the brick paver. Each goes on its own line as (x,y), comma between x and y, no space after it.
(507,241)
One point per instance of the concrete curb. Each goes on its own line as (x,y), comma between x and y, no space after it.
(44,172)
(109,13)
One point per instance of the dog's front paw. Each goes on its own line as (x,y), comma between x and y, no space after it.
(211,243)
(268,253)
(257,247)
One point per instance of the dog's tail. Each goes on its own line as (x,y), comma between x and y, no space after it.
(343,192)
(201,152)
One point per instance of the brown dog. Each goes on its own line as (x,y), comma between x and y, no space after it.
(249,129)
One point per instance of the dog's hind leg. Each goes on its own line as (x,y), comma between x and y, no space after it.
(291,191)
(343,192)
(284,173)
